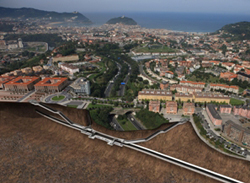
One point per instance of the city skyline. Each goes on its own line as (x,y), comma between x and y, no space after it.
(195,6)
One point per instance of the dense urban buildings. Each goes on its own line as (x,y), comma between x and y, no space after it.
(243,111)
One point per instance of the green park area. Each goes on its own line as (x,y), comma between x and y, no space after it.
(58,98)
(150,119)
(155,49)
(125,123)
(234,101)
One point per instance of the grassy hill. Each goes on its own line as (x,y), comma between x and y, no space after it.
(122,20)
(25,13)
(236,31)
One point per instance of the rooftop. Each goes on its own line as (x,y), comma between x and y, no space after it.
(155,92)
(51,82)
(22,80)
(214,113)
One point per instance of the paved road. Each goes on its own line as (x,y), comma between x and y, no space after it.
(145,75)
(117,126)
(134,122)
(122,90)
(26,96)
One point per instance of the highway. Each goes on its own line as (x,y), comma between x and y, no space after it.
(137,125)
(122,90)
(92,134)
(111,82)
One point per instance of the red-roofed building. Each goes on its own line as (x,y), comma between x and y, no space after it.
(233,89)
(21,83)
(228,76)
(154,105)
(5,79)
(193,84)
(51,84)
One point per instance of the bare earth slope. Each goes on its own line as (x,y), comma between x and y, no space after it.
(34,149)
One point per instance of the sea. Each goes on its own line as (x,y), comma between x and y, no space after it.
(187,22)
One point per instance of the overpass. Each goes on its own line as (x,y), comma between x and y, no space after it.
(121,111)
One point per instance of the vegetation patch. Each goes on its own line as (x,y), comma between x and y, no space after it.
(101,116)
(234,101)
(125,123)
(58,98)
(150,119)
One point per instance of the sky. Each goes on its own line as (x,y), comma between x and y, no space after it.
(204,6)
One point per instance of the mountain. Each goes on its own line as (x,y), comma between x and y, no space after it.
(24,13)
(122,20)
(236,31)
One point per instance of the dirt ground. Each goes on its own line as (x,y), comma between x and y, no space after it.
(35,149)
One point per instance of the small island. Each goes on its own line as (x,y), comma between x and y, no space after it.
(122,20)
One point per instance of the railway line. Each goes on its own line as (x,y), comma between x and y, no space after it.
(93,134)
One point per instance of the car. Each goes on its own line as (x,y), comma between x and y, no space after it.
(132,119)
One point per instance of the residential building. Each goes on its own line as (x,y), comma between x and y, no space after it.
(188,108)
(21,84)
(193,84)
(164,85)
(169,74)
(226,109)
(211,97)
(27,70)
(213,115)
(81,86)
(185,89)
(185,97)
(243,111)
(233,89)
(37,69)
(51,85)
(171,107)
(228,76)
(243,76)
(69,68)
(150,94)
(154,105)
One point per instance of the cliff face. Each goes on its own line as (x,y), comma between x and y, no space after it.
(35,149)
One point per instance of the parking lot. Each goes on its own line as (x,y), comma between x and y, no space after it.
(172,117)
(216,136)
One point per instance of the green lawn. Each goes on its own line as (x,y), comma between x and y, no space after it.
(236,102)
(73,106)
(126,124)
(58,98)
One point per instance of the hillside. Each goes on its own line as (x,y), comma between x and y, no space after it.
(122,20)
(36,149)
(25,13)
(237,31)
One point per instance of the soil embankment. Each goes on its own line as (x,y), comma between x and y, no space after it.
(35,149)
